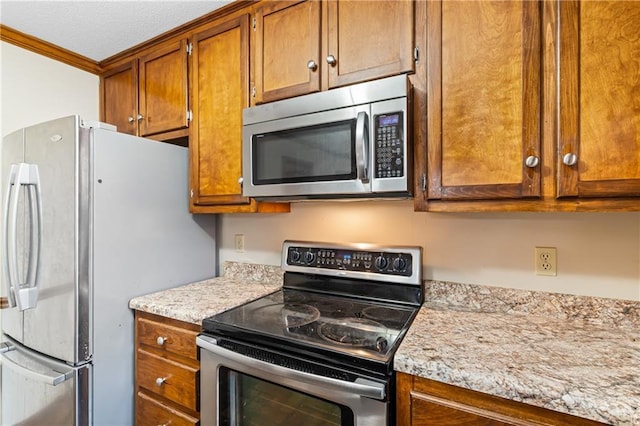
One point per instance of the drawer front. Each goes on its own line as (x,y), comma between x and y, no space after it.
(168,338)
(170,379)
(150,412)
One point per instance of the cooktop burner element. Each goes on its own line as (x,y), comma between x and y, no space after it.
(352,303)
(358,332)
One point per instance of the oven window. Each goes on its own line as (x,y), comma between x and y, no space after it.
(248,401)
(308,154)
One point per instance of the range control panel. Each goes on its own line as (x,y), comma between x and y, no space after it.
(396,263)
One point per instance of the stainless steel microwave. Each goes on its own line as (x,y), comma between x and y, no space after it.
(350,142)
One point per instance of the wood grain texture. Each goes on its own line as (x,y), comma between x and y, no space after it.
(163,91)
(287,37)
(4,302)
(178,396)
(119,97)
(435,403)
(49,50)
(152,412)
(177,339)
(219,78)
(369,39)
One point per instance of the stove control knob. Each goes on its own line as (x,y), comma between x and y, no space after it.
(381,262)
(381,344)
(309,257)
(399,264)
(295,255)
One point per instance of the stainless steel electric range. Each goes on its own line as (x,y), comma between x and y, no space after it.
(320,350)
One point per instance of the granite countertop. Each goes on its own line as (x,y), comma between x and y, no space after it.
(577,355)
(573,354)
(240,283)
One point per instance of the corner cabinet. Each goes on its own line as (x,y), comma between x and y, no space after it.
(220,81)
(529,106)
(148,95)
(307,46)
(167,371)
(422,402)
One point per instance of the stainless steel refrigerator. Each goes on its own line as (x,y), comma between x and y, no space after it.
(91,218)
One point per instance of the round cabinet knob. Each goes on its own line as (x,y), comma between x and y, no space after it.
(532,161)
(160,381)
(140,117)
(309,257)
(399,264)
(161,340)
(570,159)
(312,65)
(240,180)
(130,119)
(331,60)
(381,263)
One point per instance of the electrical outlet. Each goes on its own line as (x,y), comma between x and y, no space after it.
(240,243)
(546,261)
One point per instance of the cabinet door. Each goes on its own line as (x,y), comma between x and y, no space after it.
(287,50)
(221,91)
(368,40)
(163,89)
(120,97)
(483,99)
(599,147)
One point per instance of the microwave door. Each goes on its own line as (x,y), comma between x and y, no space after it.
(319,155)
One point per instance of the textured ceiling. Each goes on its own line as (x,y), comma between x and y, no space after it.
(100,29)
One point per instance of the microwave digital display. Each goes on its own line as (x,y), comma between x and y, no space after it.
(389,120)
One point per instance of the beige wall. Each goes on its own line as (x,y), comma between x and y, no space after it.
(598,253)
(34,88)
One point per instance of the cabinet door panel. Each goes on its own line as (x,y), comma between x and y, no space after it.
(120,97)
(220,80)
(163,89)
(483,99)
(369,39)
(600,98)
(287,38)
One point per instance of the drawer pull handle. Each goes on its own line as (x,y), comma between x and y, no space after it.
(161,340)
(161,381)
(167,423)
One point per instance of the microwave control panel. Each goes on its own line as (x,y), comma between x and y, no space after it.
(388,133)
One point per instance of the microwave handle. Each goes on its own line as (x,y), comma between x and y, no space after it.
(362,146)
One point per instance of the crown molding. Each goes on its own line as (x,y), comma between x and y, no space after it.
(49,50)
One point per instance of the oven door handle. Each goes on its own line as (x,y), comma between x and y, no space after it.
(362,387)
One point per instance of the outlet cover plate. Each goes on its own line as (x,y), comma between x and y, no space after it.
(546,261)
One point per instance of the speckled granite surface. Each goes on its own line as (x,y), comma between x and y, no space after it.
(240,283)
(578,355)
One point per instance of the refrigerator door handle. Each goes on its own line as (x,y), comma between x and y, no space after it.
(8,238)
(25,296)
(49,377)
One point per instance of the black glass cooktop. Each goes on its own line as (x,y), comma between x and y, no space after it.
(358,328)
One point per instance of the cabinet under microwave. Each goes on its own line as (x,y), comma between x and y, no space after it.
(350,142)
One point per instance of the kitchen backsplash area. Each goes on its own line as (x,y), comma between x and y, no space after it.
(598,253)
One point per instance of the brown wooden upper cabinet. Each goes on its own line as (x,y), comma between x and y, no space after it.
(220,82)
(599,122)
(308,46)
(531,106)
(148,95)
(483,99)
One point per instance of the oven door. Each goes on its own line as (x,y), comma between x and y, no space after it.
(237,390)
(314,155)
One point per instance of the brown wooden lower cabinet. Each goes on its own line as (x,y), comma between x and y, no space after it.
(426,402)
(167,371)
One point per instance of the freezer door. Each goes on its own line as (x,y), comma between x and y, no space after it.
(12,155)
(54,326)
(37,390)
